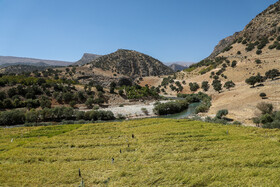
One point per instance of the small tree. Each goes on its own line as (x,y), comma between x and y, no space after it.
(205,86)
(272,74)
(229,84)
(217,85)
(221,113)
(89,103)
(263,95)
(265,108)
(193,86)
(233,64)
(99,88)
(251,81)
(112,87)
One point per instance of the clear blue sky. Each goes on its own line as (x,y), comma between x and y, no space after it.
(169,30)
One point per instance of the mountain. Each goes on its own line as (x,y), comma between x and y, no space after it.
(37,64)
(87,57)
(177,67)
(252,51)
(29,61)
(259,32)
(131,63)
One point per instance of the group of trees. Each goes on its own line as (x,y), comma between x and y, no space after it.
(171,107)
(271,74)
(57,114)
(204,99)
(268,117)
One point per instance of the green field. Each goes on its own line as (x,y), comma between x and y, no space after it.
(164,152)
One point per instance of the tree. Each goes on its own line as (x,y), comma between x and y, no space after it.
(67,97)
(233,64)
(193,86)
(221,113)
(12,92)
(217,85)
(263,95)
(45,102)
(72,104)
(99,88)
(121,92)
(273,73)
(251,81)
(8,103)
(205,86)
(229,84)
(89,103)
(265,108)
(112,87)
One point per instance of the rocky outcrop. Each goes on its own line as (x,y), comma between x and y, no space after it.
(87,58)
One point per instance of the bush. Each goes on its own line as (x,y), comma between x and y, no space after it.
(171,107)
(258,61)
(217,85)
(229,84)
(272,74)
(221,113)
(233,64)
(12,117)
(259,51)
(265,108)
(263,95)
(193,86)
(145,111)
(205,86)
(89,103)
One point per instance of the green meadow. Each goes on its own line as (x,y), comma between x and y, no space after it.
(163,152)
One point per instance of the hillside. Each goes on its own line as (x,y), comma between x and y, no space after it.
(163,152)
(28,61)
(86,58)
(130,63)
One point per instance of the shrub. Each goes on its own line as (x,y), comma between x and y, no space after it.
(89,103)
(233,64)
(12,117)
(145,111)
(265,108)
(99,88)
(221,113)
(171,107)
(258,61)
(259,51)
(272,74)
(217,85)
(229,84)
(263,95)
(205,86)
(193,86)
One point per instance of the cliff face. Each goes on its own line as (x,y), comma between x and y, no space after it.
(223,44)
(131,63)
(87,57)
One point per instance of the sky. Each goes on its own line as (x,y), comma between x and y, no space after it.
(169,30)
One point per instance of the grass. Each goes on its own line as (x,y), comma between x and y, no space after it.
(164,152)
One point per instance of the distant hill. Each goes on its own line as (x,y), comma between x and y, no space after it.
(177,67)
(131,63)
(18,69)
(87,57)
(31,61)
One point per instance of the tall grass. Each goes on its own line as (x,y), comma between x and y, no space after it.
(163,152)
